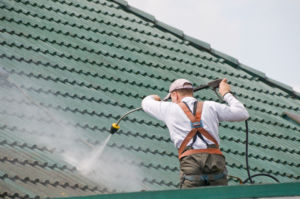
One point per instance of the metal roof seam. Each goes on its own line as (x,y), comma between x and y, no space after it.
(264,102)
(102,75)
(25,145)
(62,55)
(260,132)
(53,183)
(258,145)
(68,95)
(93,9)
(88,18)
(81,37)
(73,82)
(262,170)
(144,150)
(37,163)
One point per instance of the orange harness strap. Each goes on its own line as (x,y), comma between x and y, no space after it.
(196,128)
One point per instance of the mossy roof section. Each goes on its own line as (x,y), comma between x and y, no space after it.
(77,66)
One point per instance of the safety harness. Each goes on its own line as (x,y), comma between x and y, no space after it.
(197,130)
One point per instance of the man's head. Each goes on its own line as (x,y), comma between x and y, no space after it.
(179,89)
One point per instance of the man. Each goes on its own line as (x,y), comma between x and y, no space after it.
(193,128)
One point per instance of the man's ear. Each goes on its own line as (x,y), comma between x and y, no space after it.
(176,97)
(173,96)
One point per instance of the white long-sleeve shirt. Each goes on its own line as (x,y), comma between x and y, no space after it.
(179,124)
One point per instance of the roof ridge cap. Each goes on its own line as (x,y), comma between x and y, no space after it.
(206,46)
(135,10)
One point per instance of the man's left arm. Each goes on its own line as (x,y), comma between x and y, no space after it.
(235,111)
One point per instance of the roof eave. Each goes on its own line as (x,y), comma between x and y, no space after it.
(234,192)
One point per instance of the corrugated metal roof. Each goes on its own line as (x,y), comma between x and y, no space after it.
(76,66)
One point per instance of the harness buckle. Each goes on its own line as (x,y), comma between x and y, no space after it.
(197,124)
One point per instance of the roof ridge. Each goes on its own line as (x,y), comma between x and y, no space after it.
(206,46)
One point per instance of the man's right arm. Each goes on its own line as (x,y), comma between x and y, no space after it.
(156,108)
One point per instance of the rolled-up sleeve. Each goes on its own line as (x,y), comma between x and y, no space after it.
(234,111)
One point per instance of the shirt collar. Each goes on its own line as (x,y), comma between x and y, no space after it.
(188,99)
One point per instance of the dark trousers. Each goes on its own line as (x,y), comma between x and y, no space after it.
(210,166)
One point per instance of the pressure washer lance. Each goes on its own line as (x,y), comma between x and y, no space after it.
(115,126)
(213,85)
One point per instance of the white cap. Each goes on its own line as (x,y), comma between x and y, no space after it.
(178,84)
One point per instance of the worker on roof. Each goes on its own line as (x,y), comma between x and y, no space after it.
(193,128)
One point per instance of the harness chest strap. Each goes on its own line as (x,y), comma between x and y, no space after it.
(196,129)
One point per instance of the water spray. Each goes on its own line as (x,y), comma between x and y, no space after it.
(94,165)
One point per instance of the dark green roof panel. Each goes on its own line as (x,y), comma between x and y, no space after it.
(76,66)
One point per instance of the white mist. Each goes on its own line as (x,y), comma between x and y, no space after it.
(86,165)
(52,128)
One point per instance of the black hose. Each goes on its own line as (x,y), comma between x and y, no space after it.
(222,100)
(261,174)
(246,153)
(247,162)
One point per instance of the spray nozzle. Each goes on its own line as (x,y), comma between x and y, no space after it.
(213,84)
(114,128)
